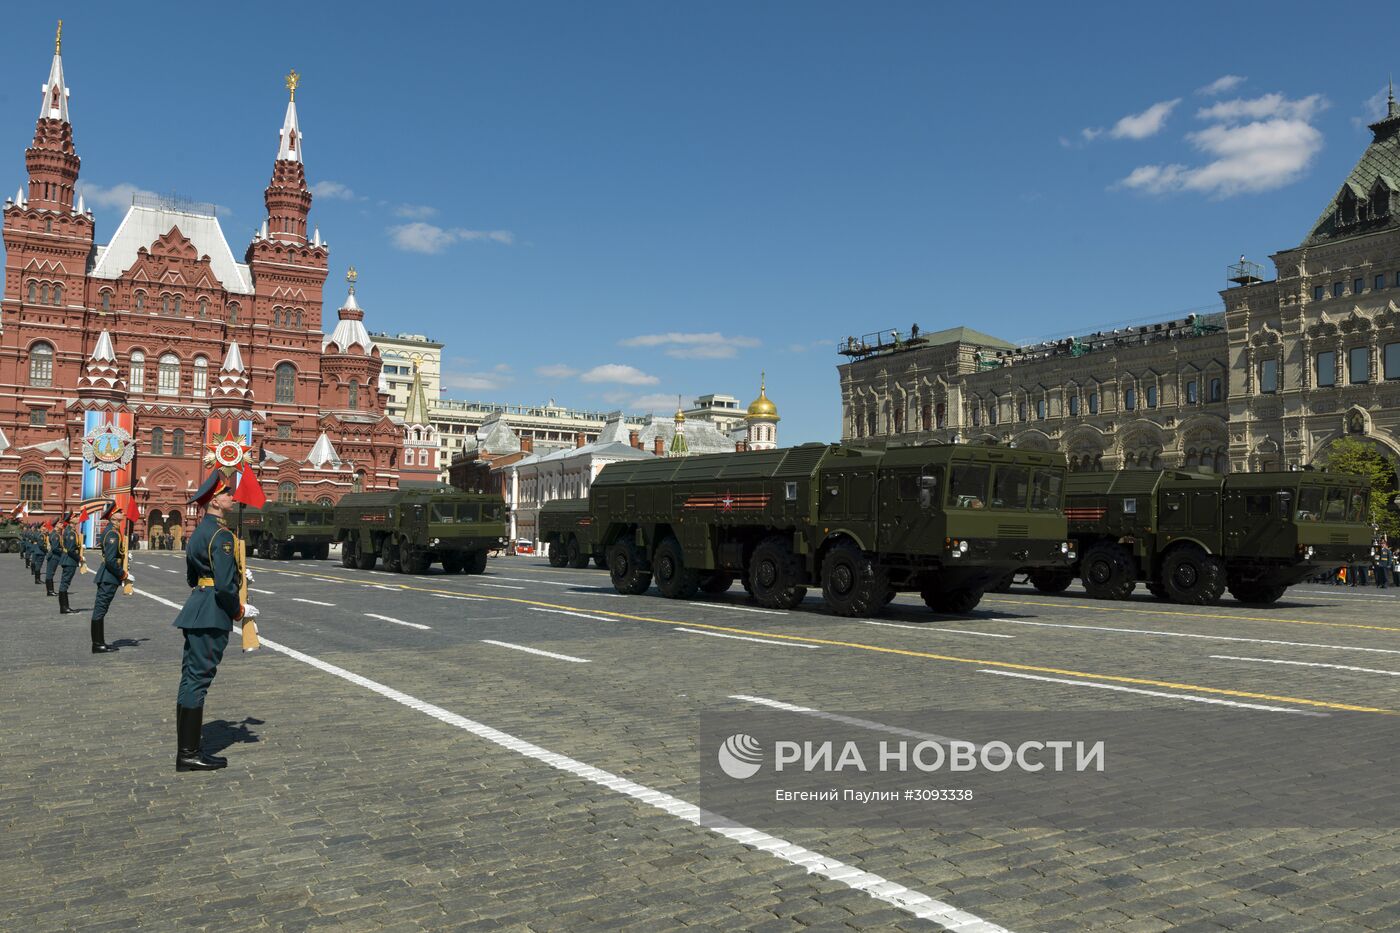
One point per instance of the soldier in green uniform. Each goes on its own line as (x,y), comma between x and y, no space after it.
(110,575)
(38,549)
(55,548)
(214,575)
(68,554)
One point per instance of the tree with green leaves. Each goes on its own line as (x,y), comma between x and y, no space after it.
(1350,455)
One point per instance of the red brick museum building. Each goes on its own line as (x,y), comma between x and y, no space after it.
(165,330)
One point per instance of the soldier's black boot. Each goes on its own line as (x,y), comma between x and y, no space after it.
(64,608)
(189,724)
(48,588)
(99,644)
(36,575)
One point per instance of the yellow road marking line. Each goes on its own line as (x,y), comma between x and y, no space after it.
(904,652)
(1197,615)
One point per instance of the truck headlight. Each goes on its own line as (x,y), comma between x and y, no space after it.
(435,542)
(291,537)
(962,547)
(1306,551)
(1064,548)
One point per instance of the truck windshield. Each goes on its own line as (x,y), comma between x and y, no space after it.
(469,512)
(296,518)
(443,513)
(967,485)
(1045,490)
(492,512)
(1336,508)
(1310,504)
(1358,511)
(1010,487)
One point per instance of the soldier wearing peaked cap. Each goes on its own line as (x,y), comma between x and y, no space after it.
(110,575)
(214,574)
(38,550)
(68,556)
(53,549)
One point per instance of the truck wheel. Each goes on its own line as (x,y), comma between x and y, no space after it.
(347,555)
(1108,572)
(717,582)
(577,558)
(957,602)
(1051,581)
(1260,594)
(364,555)
(418,561)
(1001,585)
(852,583)
(625,568)
(393,561)
(672,577)
(775,574)
(476,562)
(600,561)
(1193,577)
(557,555)
(1157,590)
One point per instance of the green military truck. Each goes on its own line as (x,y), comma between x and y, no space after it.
(10,533)
(943,521)
(417,525)
(566,526)
(1190,535)
(280,529)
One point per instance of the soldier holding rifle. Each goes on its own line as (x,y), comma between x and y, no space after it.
(111,574)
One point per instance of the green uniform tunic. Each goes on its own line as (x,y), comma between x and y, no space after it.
(52,548)
(110,575)
(211,609)
(67,556)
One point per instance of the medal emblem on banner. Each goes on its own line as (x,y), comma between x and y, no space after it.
(228,453)
(108,448)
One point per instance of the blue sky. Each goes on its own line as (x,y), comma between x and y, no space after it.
(611,203)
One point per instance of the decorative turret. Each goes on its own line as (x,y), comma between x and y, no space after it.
(323,453)
(231,390)
(350,361)
(101,380)
(762,419)
(287,198)
(679,447)
(350,335)
(420,438)
(52,160)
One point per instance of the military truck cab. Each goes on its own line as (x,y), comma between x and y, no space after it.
(566,527)
(417,525)
(280,529)
(862,524)
(1192,535)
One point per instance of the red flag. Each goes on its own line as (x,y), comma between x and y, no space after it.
(249,491)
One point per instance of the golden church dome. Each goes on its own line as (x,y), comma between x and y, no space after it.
(761,408)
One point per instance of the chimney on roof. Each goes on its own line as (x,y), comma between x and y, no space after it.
(634,438)
(580,439)
(740,447)
(658,446)
(527,445)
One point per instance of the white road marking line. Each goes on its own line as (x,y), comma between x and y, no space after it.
(252,589)
(580,615)
(761,641)
(1335,667)
(168,570)
(498,586)
(849,720)
(1254,641)
(380,586)
(767,612)
(1152,693)
(929,628)
(397,621)
(314,602)
(547,654)
(471,599)
(519,580)
(160,599)
(913,902)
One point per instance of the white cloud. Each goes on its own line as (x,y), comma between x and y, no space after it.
(1269,106)
(1374,108)
(1145,124)
(1221,85)
(1091,133)
(475,382)
(655,402)
(618,372)
(117,196)
(1271,150)
(556,371)
(415,211)
(428,238)
(333,190)
(709,346)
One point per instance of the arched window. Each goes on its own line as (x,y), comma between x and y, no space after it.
(168,375)
(324,500)
(106,300)
(137,381)
(276,317)
(31,489)
(1021,410)
(177,305)
(1129,398)
(1074,406)
(204,307)
(43,294)
(33,292)
(358,483)
(41,364)
(164,304)
(177,443)
(354,395)
(48,225)
(158,441)
(1041,409)
(58,294)
(233,314)
(1093,403)
(1151,396)
(201,376)
(286,492)
(298,323)
(140,301)
(408,457)
(286,388)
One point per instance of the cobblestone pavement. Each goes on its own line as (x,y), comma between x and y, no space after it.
(397,763)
